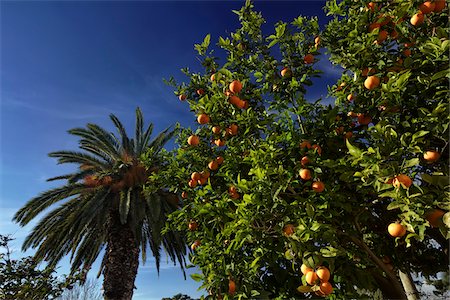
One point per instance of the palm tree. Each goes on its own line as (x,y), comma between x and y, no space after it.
(104,206)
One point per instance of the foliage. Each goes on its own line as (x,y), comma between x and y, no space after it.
(101,198)
(179,297)
(242,209)
(88,290)
(23,279)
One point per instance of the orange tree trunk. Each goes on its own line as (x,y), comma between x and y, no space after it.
(121,260)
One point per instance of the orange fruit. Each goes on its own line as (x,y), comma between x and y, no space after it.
(234,100)
(371,82)
(323,273)
(235,86)
(286,72)
(417,19)
(182,97)
(195,244)
(394,34)
(192,183)
(305,174)
(318,186)
(402,180)
(232,189)
(219,143)
(202,180)
(203,119)
(431,156)
(326,288)
(427,7)
(434,217)
(205,174)
(184,195)
(311,277)
(439,5)
(219,160)
(200,92)
(364,119)
(351,97)
(193,140)
(308,59)
(242,104)
(317,148)
(231,287)
(216,129)
(305,144)
(348,134)
(396,230)
(232,130)
(382,36)
(213,165)
(196,176)
(372,6)
(235,195)
(305,269)
(288,229)
(352,114)
(374,26)
(406,52)
(192,226)
(305,160)
(228,93)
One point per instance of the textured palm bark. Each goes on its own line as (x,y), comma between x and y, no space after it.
(122,260)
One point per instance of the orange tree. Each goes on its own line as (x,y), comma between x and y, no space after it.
(284,198)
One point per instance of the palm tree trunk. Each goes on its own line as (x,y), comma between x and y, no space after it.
(408,285)
(121,261)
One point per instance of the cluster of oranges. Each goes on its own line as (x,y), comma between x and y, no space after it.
(425,8)
(318,278)
(305,174)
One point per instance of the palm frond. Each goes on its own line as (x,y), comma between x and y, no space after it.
(77,157)
(138,130)
(122,132)
(158,143)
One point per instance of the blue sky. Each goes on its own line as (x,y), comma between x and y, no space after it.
(66,64)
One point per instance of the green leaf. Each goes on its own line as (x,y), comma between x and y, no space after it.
(304,289)
(411,163)
(419,134)
(197,277)
(354,151)
(395,205)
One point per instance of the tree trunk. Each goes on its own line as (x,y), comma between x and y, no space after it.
(408,285)
(121,261)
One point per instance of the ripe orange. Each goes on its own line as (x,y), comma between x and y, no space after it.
(228,93)
(192,183)
(219,160)
(235,86)
(323,273)
(317,148)
(242,104)
(417,19)
(286,72)
(213,165)
(219,143)
(406,52)
(402,180)
(193,140)
(232,130)
(318,186)
(235,195)
(317,40)
(216,129)
(234,100)
(288,229)
(371,82)
(200,92)
(351,97)
(311,277)
(372,6)
(382,36)
(202,180)
(439,5)
(203,119)
(184,195)
(326,288)
(308,59)
(374,26)
(231,287)
(427,7)
(195,244)
(352,114)
(396,230)
(305,174)
(205,174)
(196,176)
(232,189)
(348,134)
(364,119)
(434,217)
(305,160)
(182,97)
(192,226)
(305,269)
(394,34)
(305,144)
(431,156)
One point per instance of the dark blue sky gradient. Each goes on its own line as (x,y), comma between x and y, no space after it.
(66,64)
